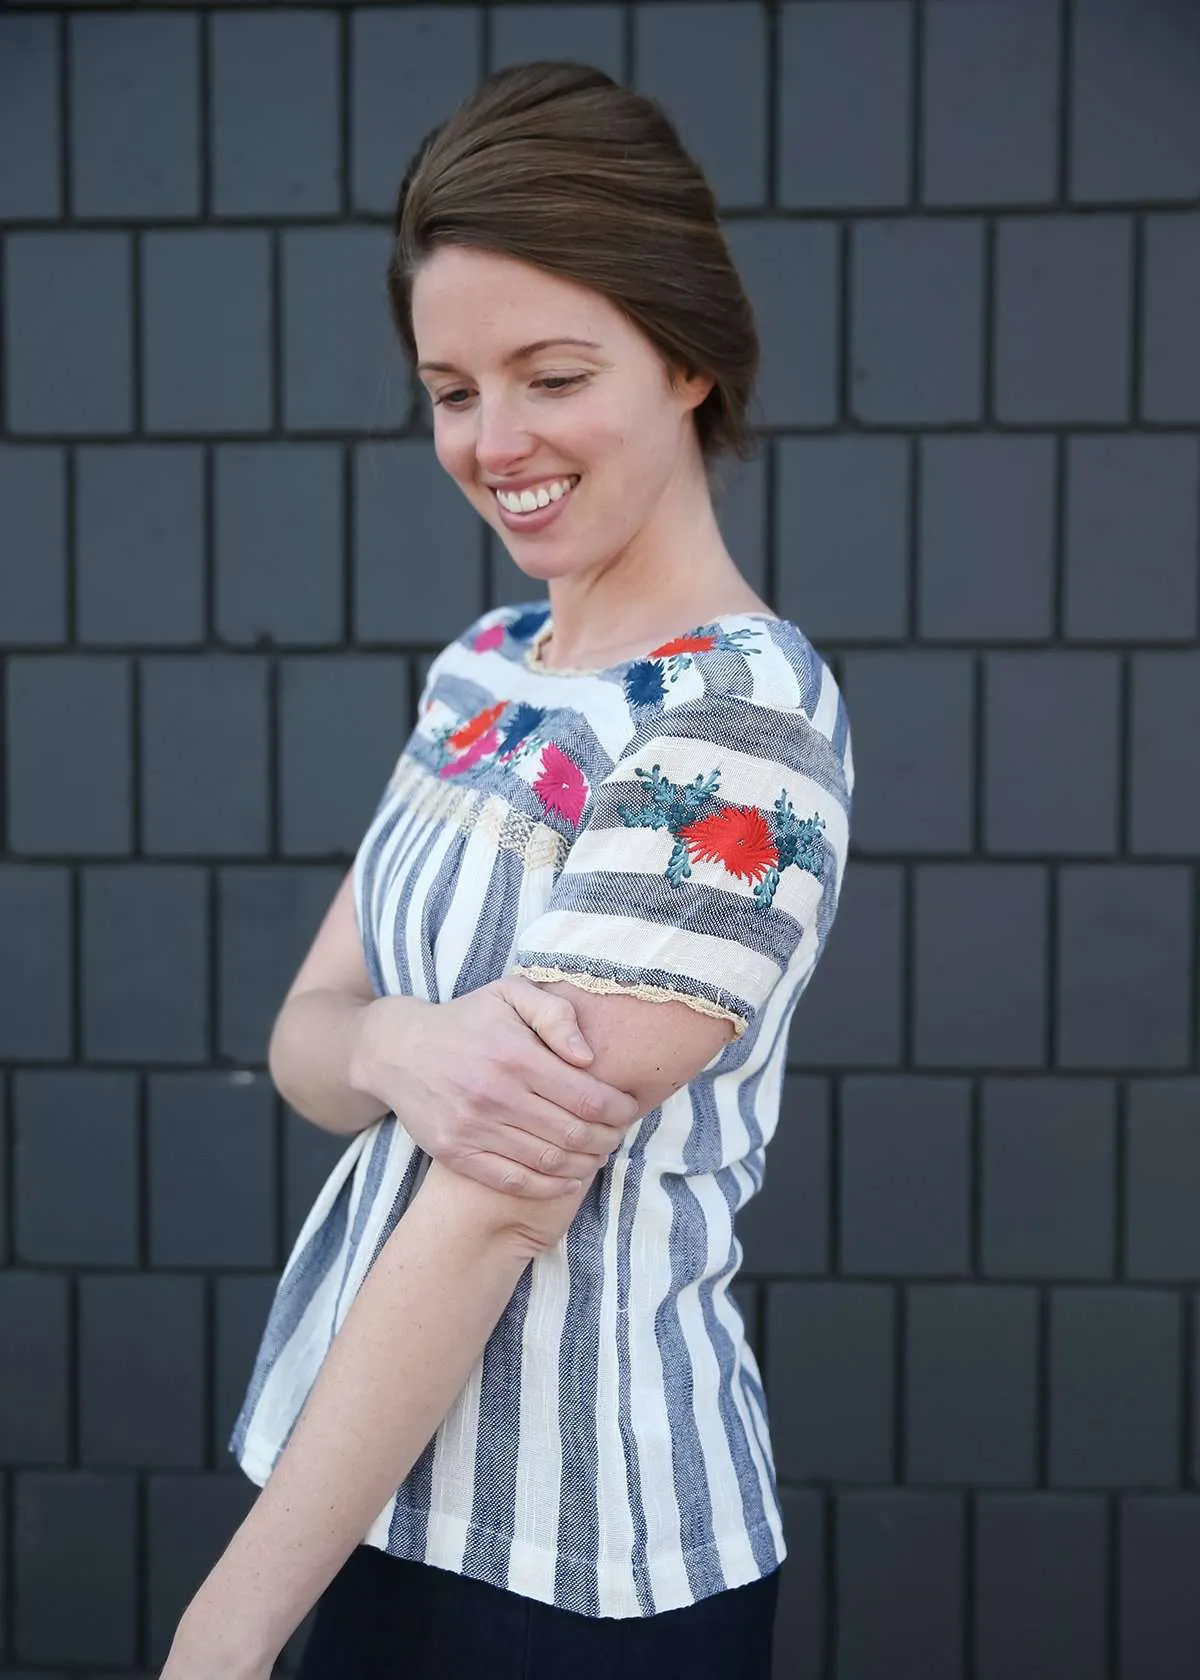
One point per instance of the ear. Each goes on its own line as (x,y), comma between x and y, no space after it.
(691,387)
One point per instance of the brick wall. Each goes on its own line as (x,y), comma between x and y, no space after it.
(972,234)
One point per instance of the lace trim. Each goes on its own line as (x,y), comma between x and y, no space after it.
(653,994)
(534,842)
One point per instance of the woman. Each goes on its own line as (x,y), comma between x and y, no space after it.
(504,1414)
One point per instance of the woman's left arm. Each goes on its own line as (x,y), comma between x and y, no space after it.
(408,1344)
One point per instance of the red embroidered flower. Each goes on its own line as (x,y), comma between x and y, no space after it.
(682,644)
(476,726)
(485,744)
(739,837)
(560,784)
(489,638)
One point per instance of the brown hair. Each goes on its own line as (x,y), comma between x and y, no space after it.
(558,166)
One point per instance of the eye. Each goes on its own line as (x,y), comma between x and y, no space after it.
(447,397)
(555,382)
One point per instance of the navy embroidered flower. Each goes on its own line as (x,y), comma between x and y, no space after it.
(526,624)
(644,684)
(523,719)
(751,844)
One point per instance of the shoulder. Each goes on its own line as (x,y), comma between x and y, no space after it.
(514,623)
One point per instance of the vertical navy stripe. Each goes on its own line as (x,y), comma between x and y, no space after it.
(497,924)
(498,1442)
(630,1196)
(380,1148)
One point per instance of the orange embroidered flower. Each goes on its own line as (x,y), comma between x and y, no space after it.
(683,644)
(476,726)
(739,837)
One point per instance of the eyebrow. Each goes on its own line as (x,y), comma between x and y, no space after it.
(521,355)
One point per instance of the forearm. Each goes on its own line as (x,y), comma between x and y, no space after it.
(408,1344)
(311,1056)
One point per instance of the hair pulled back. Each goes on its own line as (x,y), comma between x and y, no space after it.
(558,166)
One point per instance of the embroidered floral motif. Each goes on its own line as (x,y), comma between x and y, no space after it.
(492,637)
(466,761)
(525,624)
(645,680)
(561,785)
(476,726)
(519,726)
(753,845)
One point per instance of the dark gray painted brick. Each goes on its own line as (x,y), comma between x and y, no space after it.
(971,1375)
(67,321)
(982,145)
(267,920)
(784,1229)
(917,321)
(29,138)
(204,755)
(33,597)
(275,113)
(587,34)
(309,1156)
(740,504)
(1170,345)
(905,1169)
(342,363)
(1131,537)
(1115,1367)
(913,725)
(1041,1587)
(850,1014)
(790,272)
(206,325)
(980,965)
(80,1528)
(1135,121)
(842,535)
(830,1380)
(242,1305)
(1049,1153)
(191,1519)
(1164,796)
(278,542)
(1124,937)
(140,553)
(697,59)
(6,1134)
(1163,1180)
(799,1621)
(1160,1609)
(211,1170)
(900,1588)
(36,952)
(144,963)
(417,571)
(69,755)
(343,722)
(141,1371)
(1062,319)
(34,1397)
(135,121)
(1041,793)
(986,542)
(76,1170)
(844,104)
(410,67)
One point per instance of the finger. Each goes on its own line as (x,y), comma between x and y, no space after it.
(530,1149)
(581,1093)
(513,1179)
(553,1019)
(551,1123)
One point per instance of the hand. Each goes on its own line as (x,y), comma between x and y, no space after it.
(485,1085)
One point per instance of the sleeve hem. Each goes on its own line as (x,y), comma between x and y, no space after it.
(653,994)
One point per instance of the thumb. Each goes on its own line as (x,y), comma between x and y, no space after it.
(552,1017)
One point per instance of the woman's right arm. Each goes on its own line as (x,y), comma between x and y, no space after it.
(493,1084)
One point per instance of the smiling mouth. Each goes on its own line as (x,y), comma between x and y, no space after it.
(535,497)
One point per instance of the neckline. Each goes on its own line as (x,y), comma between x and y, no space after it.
(545,629)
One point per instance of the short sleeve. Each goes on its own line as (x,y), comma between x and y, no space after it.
(708,863)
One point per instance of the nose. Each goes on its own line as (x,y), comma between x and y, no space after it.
(501,442)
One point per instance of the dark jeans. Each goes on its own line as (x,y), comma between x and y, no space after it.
(385,1618)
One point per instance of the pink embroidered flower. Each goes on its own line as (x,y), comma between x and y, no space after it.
(739,837)
(560,784)
(489,638)
(478,749)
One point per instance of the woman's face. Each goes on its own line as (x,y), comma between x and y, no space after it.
(544,394)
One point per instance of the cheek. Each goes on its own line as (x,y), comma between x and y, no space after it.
(453,450)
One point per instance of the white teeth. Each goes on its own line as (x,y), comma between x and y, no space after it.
(526,501)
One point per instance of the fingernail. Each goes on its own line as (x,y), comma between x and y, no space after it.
(580,1044)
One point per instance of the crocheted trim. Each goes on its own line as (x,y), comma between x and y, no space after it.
(536,843)
(652,994)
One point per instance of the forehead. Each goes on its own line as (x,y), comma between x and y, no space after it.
(470,303)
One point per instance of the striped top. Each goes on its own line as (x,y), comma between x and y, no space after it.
(676,825)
